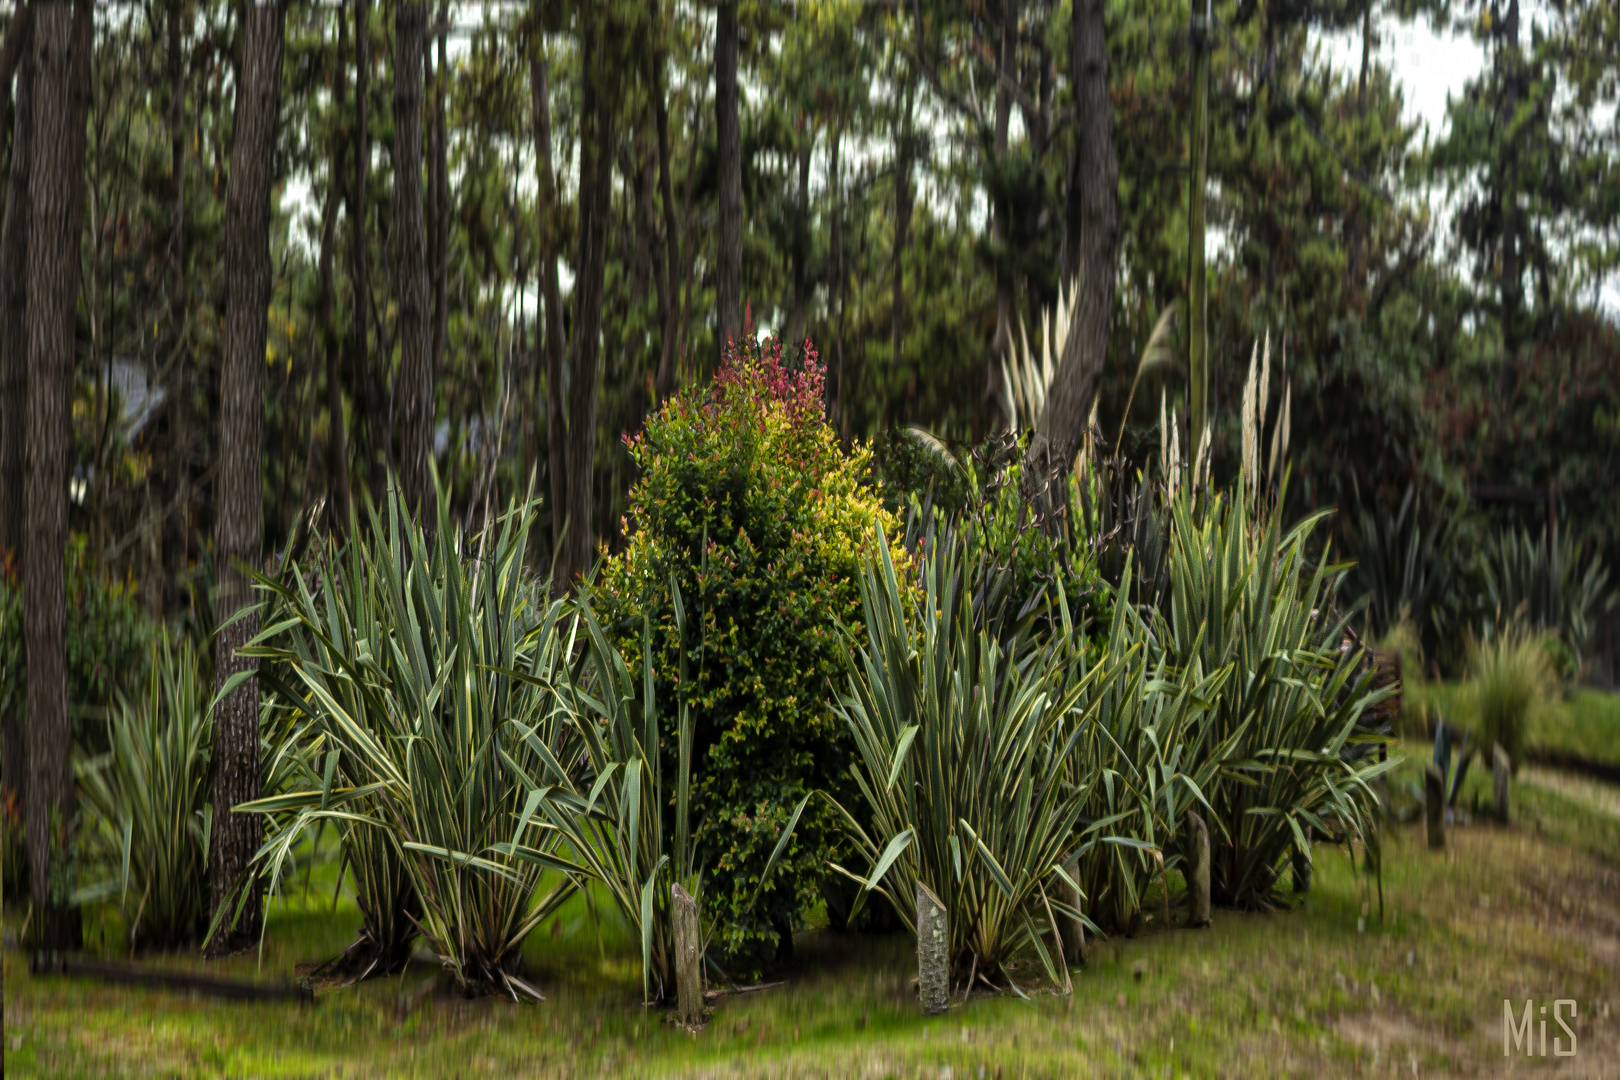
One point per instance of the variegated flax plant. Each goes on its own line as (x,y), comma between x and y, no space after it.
(430,674)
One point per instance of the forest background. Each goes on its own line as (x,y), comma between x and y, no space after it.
(593,193)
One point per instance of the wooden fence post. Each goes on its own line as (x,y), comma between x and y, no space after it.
(688,956)
(1434,807)
(1074,931)
(1198,873)
(933,953)
(1302,867)
(1502,773)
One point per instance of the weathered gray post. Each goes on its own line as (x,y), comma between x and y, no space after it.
(933,953)
(1074,931)
(1434,807)
(1198,873)
(1502,773)
(688,956)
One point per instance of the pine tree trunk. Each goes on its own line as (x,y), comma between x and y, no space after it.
(667,358)
(238,524)
(337,458)
(1062,424)
(546,211)
(337,447)
(61,59)
(728,259)
(14,364)
(440,223)
(415,387)
(595,210)
(367,402)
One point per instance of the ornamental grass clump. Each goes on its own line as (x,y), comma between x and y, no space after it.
(1293,758)
(961,719)
(430,677)
(749,509)
(1508,674)
(147,802)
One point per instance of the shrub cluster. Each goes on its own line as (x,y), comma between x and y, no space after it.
(748,507)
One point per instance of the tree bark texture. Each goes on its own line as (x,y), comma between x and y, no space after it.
(554,345)
(414,390)
(239,523)
(584,375)
(367,402)
(933,953)
(667,358)
(902,224)
(728,259)
(337,455)
(337,447)
(688,934)
(1061,428)
(14,294)
(440,223)
(14,370)
(1198,872)
(61,60)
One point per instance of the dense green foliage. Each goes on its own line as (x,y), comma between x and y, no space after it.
(148,802)
(1294,758)
(750,510)
(109,644)
(426,677)
(963,730)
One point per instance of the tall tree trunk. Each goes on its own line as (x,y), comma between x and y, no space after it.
(14,355)
(546,213)
(439,226)
(652,242)
(415,387)
(801,240)
(728,260)
(1000,226)
(239,507)
(176,472)
(902,224)
(837,408)
(667,358)
(1512,65)
(61,91)
(337,449)
(596,140)
(367,402)
(1068,400)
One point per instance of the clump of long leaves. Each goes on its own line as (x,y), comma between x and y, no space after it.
(1246,596)
(431,677)
(1508,673)
(958,713)
(148,802)
(1410,567)
(1143,759)
(611,813)
(1548,584)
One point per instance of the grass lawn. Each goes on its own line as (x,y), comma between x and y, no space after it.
(1528,911)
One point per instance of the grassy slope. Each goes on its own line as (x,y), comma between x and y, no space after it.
(1531,911)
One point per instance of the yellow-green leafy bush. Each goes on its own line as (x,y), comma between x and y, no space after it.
(748,503)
